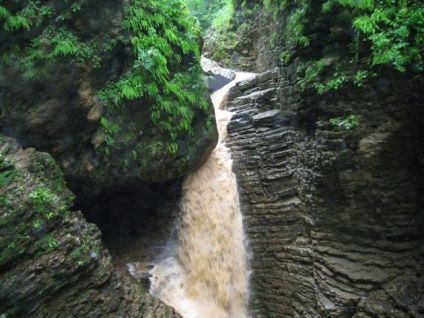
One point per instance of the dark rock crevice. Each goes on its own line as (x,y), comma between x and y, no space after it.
(133,210)
(137,223)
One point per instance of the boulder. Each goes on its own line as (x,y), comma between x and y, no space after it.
(216,76)
(53,262)
(56,106)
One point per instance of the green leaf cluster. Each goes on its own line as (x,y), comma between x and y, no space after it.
(161,35)
(347,123)
(384,33)
(40,36)
(311,75)
(394,30)
(210,13)
(47,243)
(297,18)
(43,199)
(7,176)
(229,33)
(110,130)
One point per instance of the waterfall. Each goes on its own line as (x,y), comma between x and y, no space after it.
(208,276)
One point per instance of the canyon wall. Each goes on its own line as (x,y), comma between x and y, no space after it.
(52,262)
(334,217)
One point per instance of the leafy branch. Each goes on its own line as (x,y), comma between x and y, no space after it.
(347,123)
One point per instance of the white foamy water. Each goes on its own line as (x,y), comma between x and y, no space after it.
(208,276)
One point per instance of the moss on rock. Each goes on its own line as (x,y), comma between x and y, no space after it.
(52,262)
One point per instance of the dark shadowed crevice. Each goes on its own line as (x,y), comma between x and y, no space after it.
(136,221)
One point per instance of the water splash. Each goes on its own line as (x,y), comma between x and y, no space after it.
(208,277)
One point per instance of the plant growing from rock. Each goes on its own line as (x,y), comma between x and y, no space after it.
(161,35)
(347,123)
(384,33)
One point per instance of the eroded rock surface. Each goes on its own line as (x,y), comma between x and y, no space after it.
(52,262)
(217,76)
(334,217)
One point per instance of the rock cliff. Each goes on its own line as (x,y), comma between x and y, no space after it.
(55,71)
(334,217)
(61,65)
(52,262)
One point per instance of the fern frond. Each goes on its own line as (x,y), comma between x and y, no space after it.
(365,24)
(130,92)
(65,47)
(4,13)
(16,22)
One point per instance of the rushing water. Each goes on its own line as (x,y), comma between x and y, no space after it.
(208,276)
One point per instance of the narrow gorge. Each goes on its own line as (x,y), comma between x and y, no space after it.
(208,277)
(135,184)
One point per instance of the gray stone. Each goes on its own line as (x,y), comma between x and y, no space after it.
(52,261)
(333,217)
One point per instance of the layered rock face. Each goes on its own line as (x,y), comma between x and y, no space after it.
(52,262)
(334,217)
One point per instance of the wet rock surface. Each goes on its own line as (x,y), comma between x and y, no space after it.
(334,217)
(60,113)
(52,262)
(216,76)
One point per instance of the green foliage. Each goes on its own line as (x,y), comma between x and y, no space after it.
(16,22)
(38,224)
(222,19)
(296,20)
(230,32)
(385,32)
(347,123)
(161,33)
(13,23)
(36,53)
(208,12)
(310,71)
(173,148)
(47,243)
(110,130)
(81,254)
(43,199)
(4,200)
(8,176)
(4,13)
(335,83)
(359,77)
(395,30)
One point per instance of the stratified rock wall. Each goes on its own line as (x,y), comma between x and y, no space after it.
(334,218)
(52,262)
